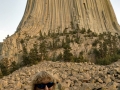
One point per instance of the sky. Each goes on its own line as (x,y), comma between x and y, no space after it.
(11,13)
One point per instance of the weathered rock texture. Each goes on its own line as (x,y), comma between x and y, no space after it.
(97,15)
(55,16)
(73,76)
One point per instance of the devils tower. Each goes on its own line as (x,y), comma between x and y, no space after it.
(97,15)
(56,16)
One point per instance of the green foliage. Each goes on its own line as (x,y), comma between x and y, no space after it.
(33,56)
(89,31)
(108,51)
(119,37)
(77,39)
(96,52)
(54,35)
(83,31)
(118,51)
(25,59)
(73,32)
(6,70)
(14,66)
(4,67)
(43,50)
(25,56)
(59,57)
(104,46)
(101,37)
(107,60)
(94,34)
(67,39)
(94,44)
(67,56)
(21,41)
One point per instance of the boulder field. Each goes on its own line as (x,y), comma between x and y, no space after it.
(73,76)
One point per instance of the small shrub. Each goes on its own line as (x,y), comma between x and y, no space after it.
(21,41)
(83,31)
(95,43)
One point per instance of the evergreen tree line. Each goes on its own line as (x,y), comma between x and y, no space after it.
(108,50)
(6,70)
(105,48)
(40,52)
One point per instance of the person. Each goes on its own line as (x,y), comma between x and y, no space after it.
(45,81)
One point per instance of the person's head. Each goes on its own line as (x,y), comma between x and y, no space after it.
(44,81)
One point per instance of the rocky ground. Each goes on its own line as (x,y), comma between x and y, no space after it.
(74,76)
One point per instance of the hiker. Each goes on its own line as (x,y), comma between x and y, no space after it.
(45,81)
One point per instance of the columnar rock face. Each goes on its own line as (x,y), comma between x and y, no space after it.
(55,16)
(97,15)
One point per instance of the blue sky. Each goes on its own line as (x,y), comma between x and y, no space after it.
(11,12)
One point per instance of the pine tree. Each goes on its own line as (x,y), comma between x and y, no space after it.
(33,55)
(67,56)
(43,51)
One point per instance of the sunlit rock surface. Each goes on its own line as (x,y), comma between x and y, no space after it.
(73,76)
(55,16)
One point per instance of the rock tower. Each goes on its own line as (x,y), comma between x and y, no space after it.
(49,15)
(97,15)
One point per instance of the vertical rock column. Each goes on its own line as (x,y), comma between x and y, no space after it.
(44,15)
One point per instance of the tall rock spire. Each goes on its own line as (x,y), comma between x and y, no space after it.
(97,15)
(54,16)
